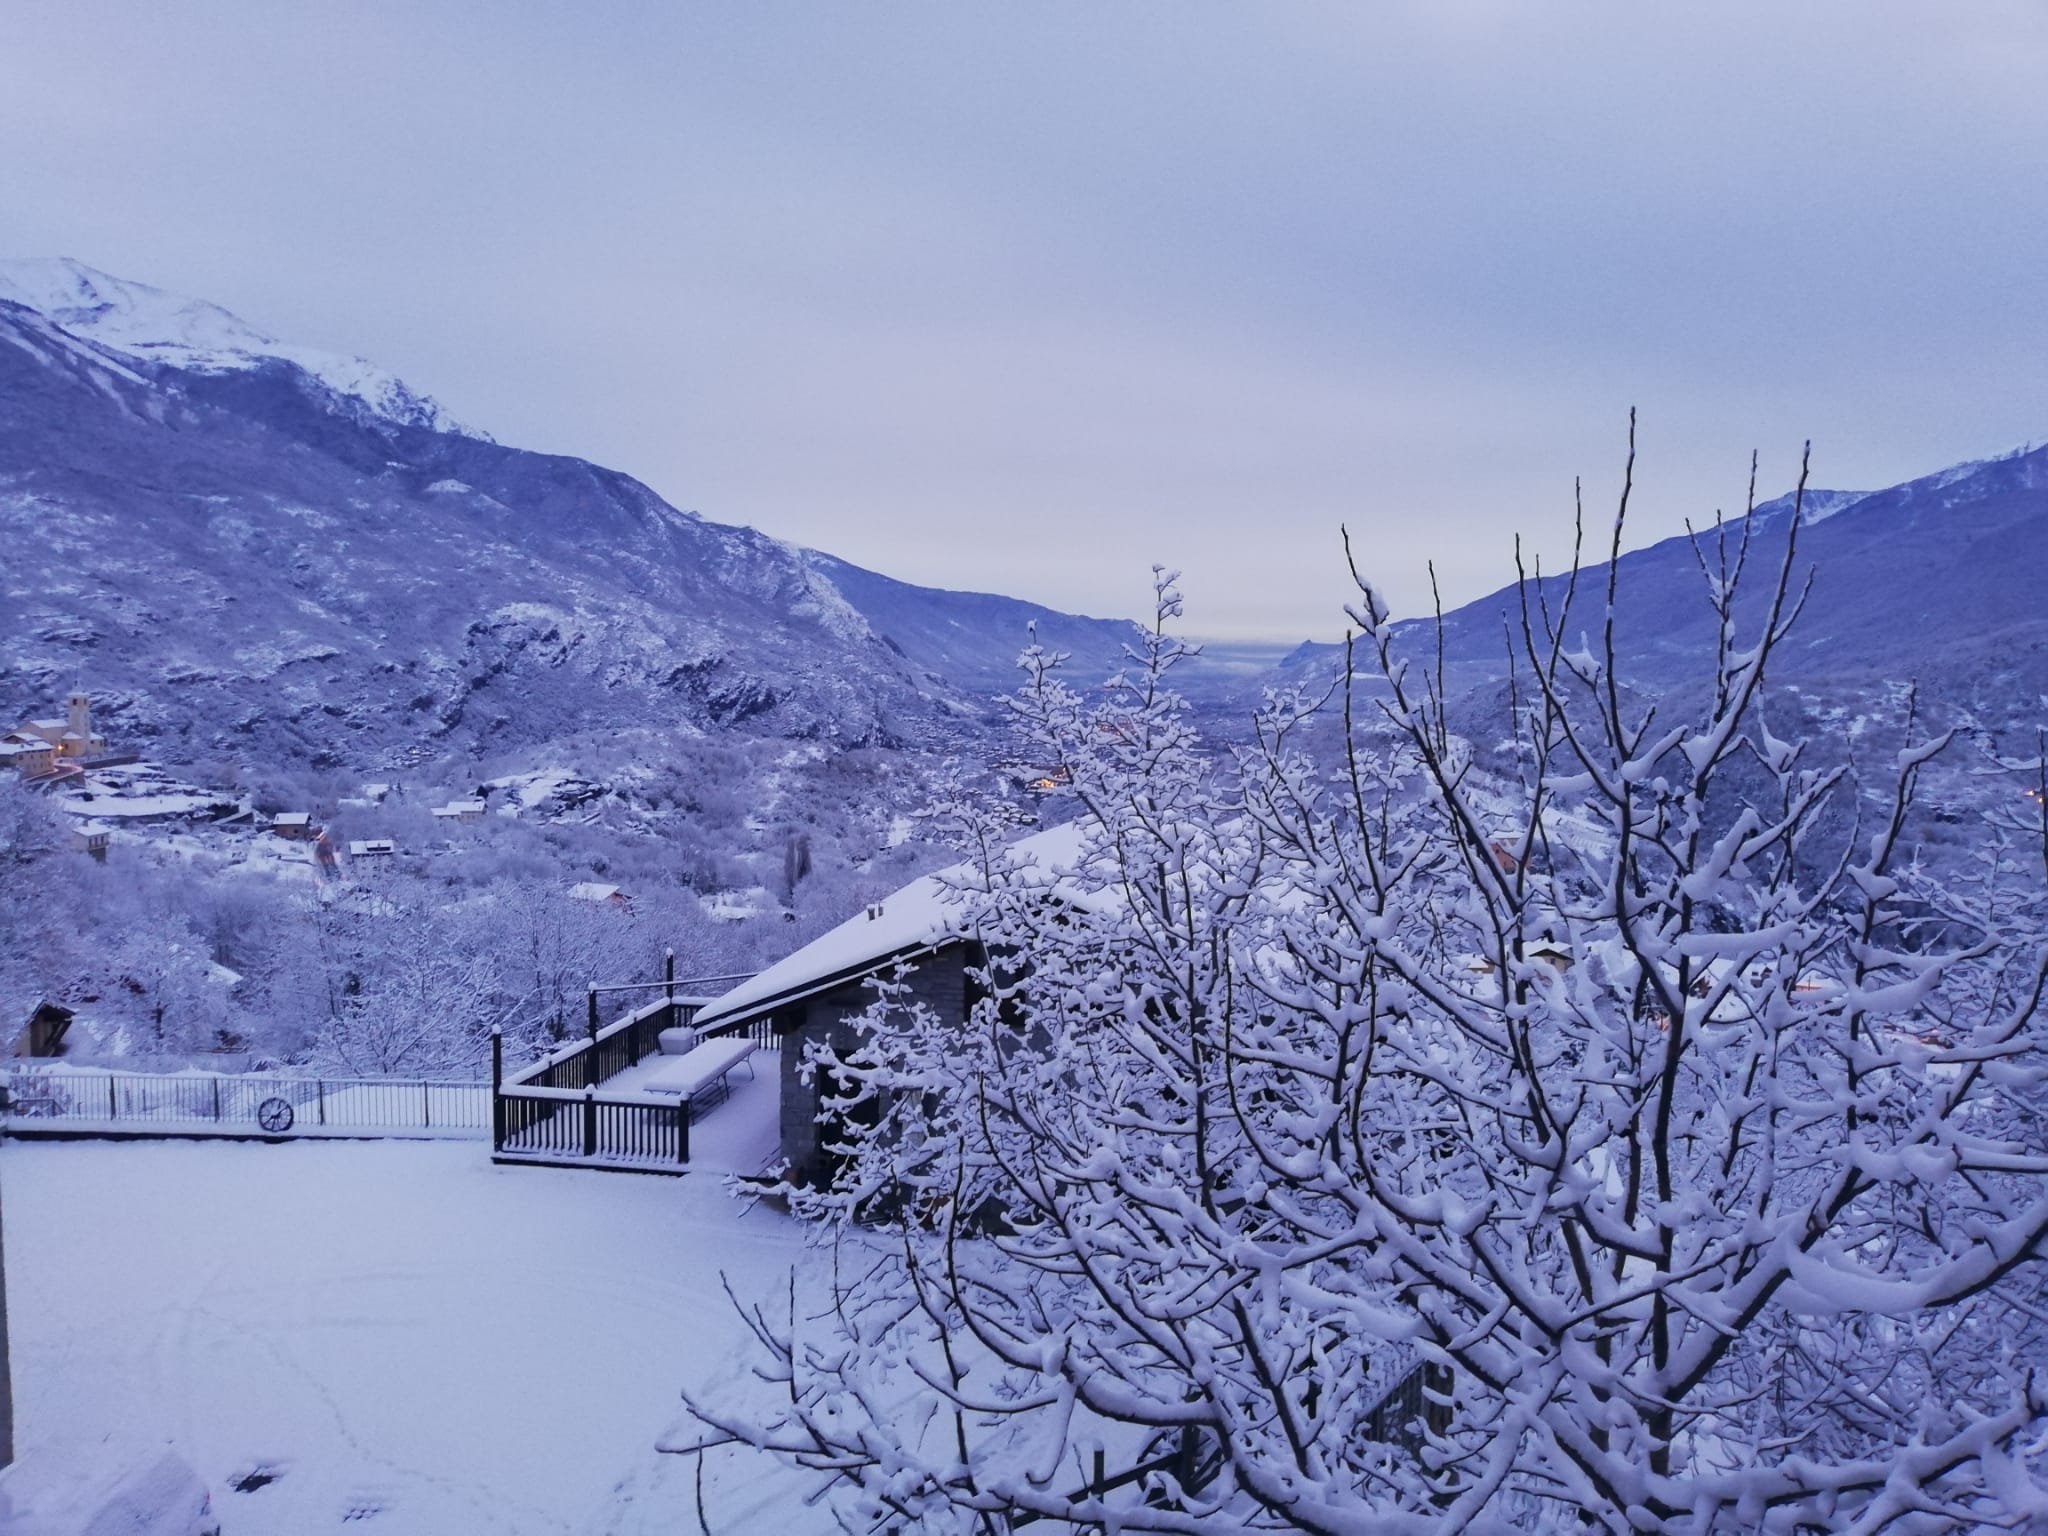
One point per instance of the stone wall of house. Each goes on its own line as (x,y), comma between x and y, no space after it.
(938,980)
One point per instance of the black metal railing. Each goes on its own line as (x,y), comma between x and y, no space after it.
(565,1123)
(759,1030)
(556,1109)
(38,1098)
(606,1051)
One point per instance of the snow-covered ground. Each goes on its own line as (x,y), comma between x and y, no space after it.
(133,792)
(411,1341)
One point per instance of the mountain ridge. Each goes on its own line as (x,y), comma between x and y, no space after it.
(150,324)
(1936,579)
(352,574)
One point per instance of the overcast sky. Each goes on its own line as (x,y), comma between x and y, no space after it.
(1027,297)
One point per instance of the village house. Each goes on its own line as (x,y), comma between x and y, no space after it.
(296,825)
(609,895)
(372,848)
(31,759)
(464,811)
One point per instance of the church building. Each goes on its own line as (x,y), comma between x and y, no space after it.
(71,739)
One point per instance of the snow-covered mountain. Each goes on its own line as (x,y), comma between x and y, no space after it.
(150,325)
(1938,581)
(236,554)
(238,545)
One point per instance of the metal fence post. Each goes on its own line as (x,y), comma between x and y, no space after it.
(216,1098)
(668,1018)
(590,1051)
(320,1094)
(497,1089)
(590,1122)
(426,1108)
(113,1103)
(683,1132)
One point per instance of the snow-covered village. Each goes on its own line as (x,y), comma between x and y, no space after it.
(887,769)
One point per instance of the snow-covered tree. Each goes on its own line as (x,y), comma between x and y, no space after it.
(1683,1174)
(36,929)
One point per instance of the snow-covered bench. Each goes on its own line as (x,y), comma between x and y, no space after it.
(696,1073)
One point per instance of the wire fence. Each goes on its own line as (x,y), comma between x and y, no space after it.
(50,1099)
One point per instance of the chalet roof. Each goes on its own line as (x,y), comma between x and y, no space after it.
(364,847)
(292,819)
(925,915)
(590,890)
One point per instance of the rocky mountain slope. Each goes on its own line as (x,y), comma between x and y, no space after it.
(236,544)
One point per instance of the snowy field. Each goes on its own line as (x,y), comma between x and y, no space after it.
(410,1341)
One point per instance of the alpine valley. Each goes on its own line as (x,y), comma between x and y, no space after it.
(296,593)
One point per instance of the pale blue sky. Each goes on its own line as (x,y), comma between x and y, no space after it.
(1026,297)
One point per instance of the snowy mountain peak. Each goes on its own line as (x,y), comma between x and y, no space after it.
(149,324)
(2023,468)
(1816,506)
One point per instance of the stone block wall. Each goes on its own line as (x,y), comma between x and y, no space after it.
(938,980)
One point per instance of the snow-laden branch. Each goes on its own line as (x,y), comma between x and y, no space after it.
(1686,1168)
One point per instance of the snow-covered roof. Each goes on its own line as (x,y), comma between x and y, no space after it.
(292,819)
(923,915)
(363,847)
(590,890)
